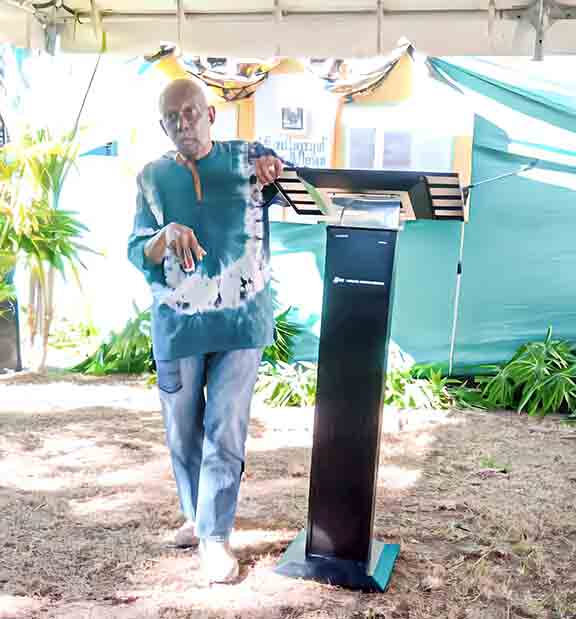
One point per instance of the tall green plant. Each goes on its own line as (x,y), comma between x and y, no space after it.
(33,171)
(49,159)
(539,379)
(32,226)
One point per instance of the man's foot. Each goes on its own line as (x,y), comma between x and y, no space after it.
(218,563)
(186,535)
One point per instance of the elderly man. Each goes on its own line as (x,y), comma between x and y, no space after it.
(200,238)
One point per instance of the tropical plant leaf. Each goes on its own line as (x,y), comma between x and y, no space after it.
(285,385)
(285,332)
(127,352)
(540,378)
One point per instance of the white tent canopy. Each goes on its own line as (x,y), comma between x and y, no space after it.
(317,28)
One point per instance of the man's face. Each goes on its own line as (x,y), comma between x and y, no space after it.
(186,118)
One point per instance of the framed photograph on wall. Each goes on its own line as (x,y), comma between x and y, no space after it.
(293,120)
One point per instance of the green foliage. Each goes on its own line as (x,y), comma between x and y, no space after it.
(127,352)
(295,385)
(417,388)
(7,263)
(284,333)
(52,237)
(467,395)
(279,382)
(32,226)
(68,335)
(7,291)
(48,159)
(32,173)
(539,379)
(283,384)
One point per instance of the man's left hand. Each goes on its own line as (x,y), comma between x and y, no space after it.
(268,169)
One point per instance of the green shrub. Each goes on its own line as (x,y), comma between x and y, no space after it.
(295,385)
(285,332)
(283,384)
(127,352)
(418,387)
(67,334)
(539,379)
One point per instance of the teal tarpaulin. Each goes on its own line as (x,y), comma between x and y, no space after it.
(425,283)
(519,259)
(519,256)
(547,103)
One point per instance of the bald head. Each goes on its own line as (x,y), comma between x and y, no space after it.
(186,117)
(181,90)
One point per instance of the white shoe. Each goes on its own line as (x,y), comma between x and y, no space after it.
(186,535)
(218,563)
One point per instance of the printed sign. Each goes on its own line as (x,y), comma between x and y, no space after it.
(302,153)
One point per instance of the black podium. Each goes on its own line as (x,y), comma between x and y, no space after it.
(364,210)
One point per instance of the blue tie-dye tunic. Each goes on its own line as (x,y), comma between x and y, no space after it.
(225,304)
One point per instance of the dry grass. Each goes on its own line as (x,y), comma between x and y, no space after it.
(482,505)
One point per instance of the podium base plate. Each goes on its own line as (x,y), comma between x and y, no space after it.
(371,578)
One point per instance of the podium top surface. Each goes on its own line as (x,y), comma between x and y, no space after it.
(423,195)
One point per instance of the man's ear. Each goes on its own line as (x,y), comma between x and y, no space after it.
(163,126)
(212,114)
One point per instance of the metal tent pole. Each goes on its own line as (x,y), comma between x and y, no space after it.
(466,196)
(456,301)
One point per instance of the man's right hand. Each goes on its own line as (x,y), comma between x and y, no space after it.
(181,240)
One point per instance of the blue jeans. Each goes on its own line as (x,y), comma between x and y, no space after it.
(206,433)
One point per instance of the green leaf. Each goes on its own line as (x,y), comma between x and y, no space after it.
(129,351)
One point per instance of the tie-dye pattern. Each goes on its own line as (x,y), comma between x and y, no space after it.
(225,303)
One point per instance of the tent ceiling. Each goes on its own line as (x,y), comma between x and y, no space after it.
(325,28)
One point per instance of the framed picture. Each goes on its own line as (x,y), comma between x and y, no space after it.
(293,119)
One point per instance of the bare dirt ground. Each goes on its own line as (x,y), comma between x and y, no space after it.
(483,505)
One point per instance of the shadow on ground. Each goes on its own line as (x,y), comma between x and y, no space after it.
(482,505)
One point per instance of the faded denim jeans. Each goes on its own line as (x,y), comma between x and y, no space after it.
(206,436)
